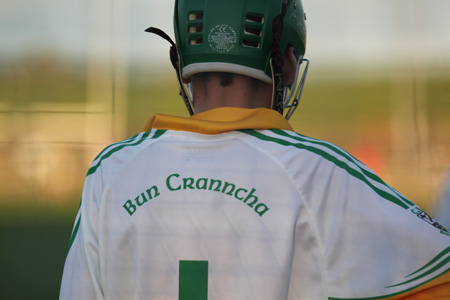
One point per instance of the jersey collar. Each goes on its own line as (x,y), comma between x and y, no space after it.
(221,120)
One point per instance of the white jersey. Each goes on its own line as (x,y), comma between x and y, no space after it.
(232,204)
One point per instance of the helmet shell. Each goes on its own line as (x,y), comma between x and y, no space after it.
(235,35)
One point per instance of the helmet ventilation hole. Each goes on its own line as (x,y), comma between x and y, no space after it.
(195,28)
(250,44)
(254,18)
(193,42)
(253,30)
(195,16)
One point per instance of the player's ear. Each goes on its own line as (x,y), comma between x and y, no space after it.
(186,81)
(289,66)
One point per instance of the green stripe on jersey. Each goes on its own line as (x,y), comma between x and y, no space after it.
(134,141)
(75,229)
(118,143)
(338,157)
(394,294)
(435,259)
(437,268)
(74,233)
(347,156)
(441,267)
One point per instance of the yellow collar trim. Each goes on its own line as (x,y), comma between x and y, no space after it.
(221,120)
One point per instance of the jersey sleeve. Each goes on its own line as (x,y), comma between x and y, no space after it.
(377,244)
(81,275)
(374,243)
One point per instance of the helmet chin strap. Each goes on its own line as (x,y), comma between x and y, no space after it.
(175,60)
(276,62)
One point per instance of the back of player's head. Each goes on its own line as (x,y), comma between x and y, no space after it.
(246,37)
(236,36)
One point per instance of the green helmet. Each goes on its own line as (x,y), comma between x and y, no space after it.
(246,37)
(235,36)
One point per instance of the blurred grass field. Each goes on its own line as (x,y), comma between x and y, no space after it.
(395,119)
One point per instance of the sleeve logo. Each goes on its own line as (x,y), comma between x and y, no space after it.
(425,217)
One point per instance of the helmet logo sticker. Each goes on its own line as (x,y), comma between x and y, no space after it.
(222,38)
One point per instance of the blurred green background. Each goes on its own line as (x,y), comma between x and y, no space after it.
(378,86)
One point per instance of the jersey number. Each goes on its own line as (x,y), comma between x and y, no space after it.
(193,280)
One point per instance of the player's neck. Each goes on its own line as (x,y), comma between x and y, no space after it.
(243,92)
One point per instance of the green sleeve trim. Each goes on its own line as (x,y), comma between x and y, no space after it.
(136,140)
(345,155)
(439,256)
(394,294)
(431,270)
(338,162)
(74,233)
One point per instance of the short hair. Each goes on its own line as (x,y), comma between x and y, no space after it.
(226,78)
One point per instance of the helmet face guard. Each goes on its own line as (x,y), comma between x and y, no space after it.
(246,37)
